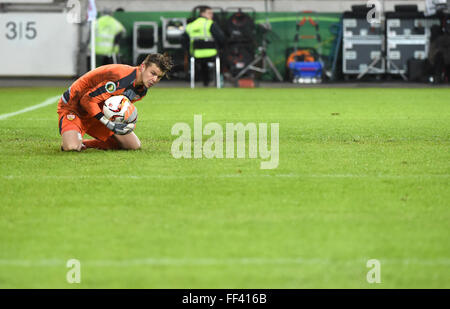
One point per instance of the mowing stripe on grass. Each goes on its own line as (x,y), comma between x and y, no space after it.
(39,177)
(216,262)
(30,108)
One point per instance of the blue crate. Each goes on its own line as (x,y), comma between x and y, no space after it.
(306,69)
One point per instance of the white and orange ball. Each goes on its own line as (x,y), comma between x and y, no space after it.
(119,109)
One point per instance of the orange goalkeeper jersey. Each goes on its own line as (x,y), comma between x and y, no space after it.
(86,95)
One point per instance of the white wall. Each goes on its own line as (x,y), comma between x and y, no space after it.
(38,44)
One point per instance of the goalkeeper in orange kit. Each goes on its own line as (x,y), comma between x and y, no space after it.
(80,107)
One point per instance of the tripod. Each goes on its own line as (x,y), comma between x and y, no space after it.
(383,55)
(378,59)
(265,60)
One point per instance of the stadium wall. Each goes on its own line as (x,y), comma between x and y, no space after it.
(329,6)
(281,37)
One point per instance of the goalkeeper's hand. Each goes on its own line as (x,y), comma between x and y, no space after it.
(117,128)
(122,128)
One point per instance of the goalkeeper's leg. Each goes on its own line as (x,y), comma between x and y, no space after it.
(129,141)
(126,142)
(71,141)
(110,144)
(106,139)
(71,130)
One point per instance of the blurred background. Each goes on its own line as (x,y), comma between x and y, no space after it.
(285,41)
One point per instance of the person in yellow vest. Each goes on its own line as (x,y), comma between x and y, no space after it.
(108,33)
(204,29)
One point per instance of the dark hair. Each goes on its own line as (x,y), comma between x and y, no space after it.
(163,61)
(204,8)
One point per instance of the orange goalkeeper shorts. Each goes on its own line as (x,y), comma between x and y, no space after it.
(69,121)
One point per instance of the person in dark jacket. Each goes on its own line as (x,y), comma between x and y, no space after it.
(439,53)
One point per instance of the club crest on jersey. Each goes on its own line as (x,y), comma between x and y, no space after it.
(110,87)
(70,117)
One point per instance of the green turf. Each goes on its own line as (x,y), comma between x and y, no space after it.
(363,174)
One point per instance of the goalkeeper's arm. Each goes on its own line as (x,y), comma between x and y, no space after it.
(91,105)
(117,128)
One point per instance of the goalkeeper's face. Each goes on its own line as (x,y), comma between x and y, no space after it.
(150,75)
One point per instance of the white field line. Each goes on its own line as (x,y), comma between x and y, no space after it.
(30,108)
(220,262)
(243,176)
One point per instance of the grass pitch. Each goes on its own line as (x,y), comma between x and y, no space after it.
(363,174)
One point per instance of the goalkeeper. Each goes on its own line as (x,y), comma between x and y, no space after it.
(80,107)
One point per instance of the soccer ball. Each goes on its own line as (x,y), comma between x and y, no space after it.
(119,109)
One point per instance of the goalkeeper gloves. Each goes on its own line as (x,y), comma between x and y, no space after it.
(121,128)
(117,128)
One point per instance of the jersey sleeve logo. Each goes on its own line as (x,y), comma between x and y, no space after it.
(110,87)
